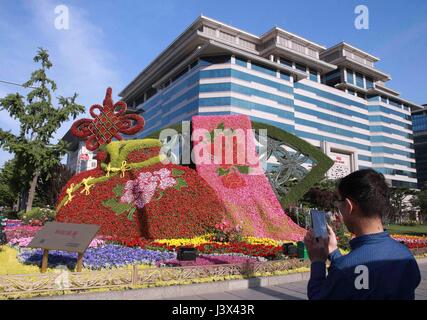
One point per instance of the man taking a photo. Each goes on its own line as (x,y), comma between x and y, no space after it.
(377,267)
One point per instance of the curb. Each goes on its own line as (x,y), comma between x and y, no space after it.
(177,291)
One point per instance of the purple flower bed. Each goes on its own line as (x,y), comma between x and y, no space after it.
(205,260)
(13,223)
(107,256)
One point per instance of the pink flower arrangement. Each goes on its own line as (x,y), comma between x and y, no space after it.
(24,231)
(251,200)
(141,190)
(24,242)
(20,242)
(226,232)
(95,243)
(223,226)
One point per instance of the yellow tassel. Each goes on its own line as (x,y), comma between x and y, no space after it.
(123,168)
(69,194)
(87,186)
(108,169)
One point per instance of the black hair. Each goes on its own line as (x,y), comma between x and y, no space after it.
(369,190)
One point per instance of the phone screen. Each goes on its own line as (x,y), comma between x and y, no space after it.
(318,223)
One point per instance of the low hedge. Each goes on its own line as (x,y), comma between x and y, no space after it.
(37,216)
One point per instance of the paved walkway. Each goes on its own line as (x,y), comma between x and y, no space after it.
(289,291)
(289,287)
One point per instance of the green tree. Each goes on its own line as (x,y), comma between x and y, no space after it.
(11,183)
(8,196)
(39,119)
(49,189)
(399,205)
(322,195)
(421,202)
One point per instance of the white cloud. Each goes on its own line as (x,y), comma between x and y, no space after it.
(81,56)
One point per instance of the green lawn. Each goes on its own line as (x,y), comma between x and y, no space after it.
(418,230)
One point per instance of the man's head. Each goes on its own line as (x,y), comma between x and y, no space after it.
(363,195)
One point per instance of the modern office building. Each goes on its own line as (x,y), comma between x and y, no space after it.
(333,97)
(419,119)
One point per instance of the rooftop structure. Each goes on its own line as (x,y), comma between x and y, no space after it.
(333,97)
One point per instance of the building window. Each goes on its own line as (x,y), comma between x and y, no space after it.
(285,76)
(151,92)
(301,67)
(241,62)
(180,74)
(383,99)
(267,70)
(313,75)
(286,62)
(194,64)
(394,103)
(350,76)
(369,83)
(333,77)
(361,95)
(217,59)
(373,98)
(352,92)
(359,80)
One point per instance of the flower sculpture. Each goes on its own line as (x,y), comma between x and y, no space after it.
(242,185)
(110,121)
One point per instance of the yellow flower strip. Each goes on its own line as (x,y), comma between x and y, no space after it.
(265,241)
(206,239)
(186,241)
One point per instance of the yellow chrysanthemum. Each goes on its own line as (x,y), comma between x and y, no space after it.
(264,241)
(186,241)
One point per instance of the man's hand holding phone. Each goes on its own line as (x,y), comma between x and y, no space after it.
(333,242)
(318,249)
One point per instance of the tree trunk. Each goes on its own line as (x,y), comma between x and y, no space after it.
(32,191)
(23,200)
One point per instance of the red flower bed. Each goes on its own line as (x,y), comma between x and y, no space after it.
(256,250)
(174,214)
(412,242)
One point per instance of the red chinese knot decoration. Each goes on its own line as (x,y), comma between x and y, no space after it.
(109,122)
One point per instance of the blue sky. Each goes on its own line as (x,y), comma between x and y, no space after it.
(109,43)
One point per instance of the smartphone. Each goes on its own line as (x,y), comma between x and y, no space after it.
(318,223)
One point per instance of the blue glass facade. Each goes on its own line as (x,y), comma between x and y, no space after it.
(381,133)
(420,142)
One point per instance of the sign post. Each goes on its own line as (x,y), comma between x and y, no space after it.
(69,237)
